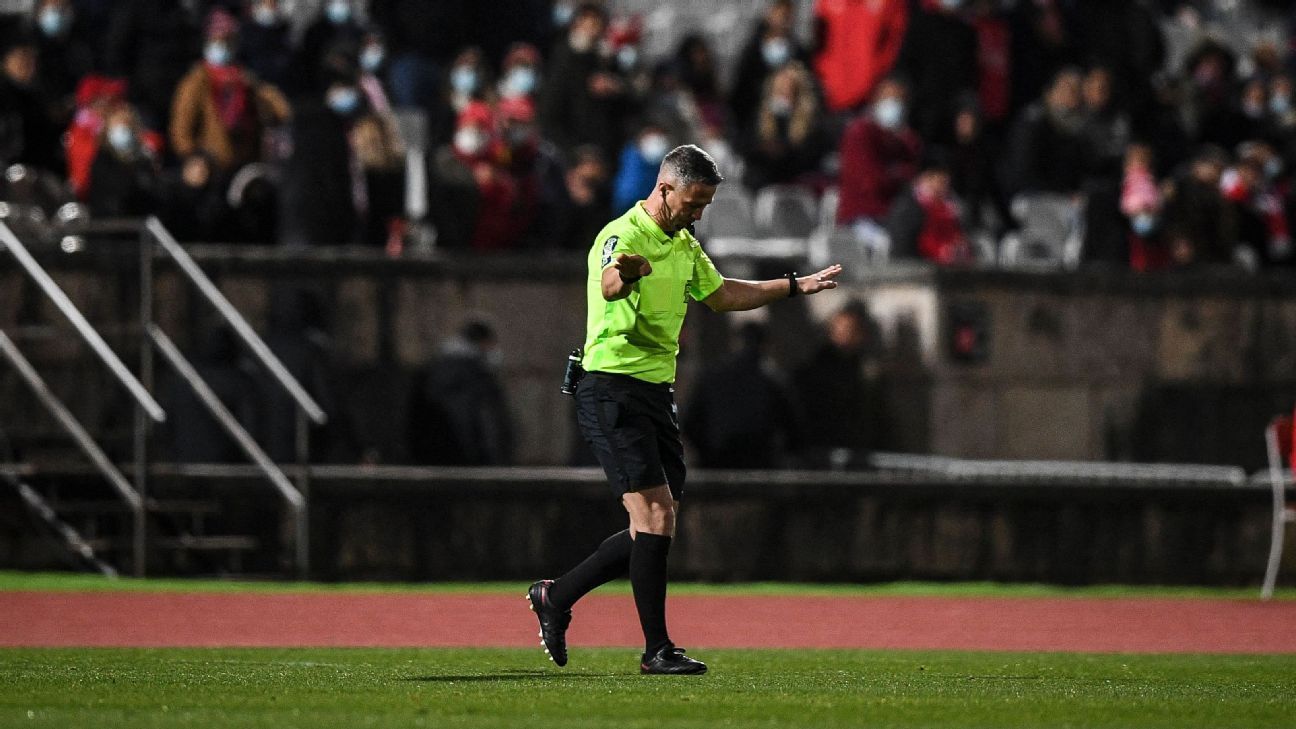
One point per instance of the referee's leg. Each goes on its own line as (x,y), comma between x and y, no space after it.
(652,525)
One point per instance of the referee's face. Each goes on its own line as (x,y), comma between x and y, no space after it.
(684,205)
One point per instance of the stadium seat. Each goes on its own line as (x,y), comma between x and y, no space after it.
(728,216)
(1051,232)
(786,211)
(1278,442)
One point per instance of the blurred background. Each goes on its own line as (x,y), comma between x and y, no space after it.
(1066,227)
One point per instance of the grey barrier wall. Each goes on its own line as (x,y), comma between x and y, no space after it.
(1094,365)
(399,523)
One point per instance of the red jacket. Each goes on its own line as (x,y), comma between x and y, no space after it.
(876,164)
(860,42)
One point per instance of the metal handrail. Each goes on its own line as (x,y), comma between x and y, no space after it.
(83,327)
(236,320)
(65,418)
(240,435)
(71,539)
(1061,470)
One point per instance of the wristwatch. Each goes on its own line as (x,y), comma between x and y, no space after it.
(793,289)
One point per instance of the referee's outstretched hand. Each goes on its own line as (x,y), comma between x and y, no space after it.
(816,282)
(632,265)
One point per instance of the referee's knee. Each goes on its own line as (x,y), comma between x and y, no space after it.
(651,515)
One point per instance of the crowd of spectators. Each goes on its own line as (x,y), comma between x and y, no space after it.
(1161,132)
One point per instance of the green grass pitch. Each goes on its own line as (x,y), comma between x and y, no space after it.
(280,688)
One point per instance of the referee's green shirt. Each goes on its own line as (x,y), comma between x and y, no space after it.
(639,335)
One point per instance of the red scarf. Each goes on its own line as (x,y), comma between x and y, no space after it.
(229,91)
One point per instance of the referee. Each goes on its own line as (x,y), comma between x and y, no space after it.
(643,267)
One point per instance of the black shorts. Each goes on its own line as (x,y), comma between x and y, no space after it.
(633,429)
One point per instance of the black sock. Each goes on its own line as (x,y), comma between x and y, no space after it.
(610,561)
(648,578)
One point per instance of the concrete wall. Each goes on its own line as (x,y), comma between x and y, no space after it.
(1098,365)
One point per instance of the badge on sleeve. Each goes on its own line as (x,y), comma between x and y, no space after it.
(608,247)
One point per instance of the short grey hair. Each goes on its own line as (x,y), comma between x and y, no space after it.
(689,164)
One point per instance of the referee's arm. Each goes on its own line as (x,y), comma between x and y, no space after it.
(738,295)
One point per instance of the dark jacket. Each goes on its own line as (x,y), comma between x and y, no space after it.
(459,415)
(317,201)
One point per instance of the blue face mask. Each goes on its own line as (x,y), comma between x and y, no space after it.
(520,81)
(121,137)
(775,52)
(1143,224)
(1279,105)
(627,57)
(463,80)
(562,14)
(52,21)
(371,58)
(338,13)
(343,101)
(217,54)
(889,113)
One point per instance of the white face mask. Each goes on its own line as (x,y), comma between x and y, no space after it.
(343,100)
(463,80)
(469,141)
(520,81)
(654,147)
(371,58)
(780,106)
(338,12)
(53,21)
(775,52)
(217,54)
(627,57)
(121,137)
(889,113)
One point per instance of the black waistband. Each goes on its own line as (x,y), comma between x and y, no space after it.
(632,381)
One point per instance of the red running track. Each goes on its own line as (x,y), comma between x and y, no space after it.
(1016,624)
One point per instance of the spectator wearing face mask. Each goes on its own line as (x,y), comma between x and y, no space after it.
(520,73)
(471,195)
(325,198)
(639,162)
(1141,204)
(788,140)
(621,49)
(221,109)
(336,25)
(63,56)
(124,177)
(879,156)
(535,168)
(772,45)
(265,44)
(467,81)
